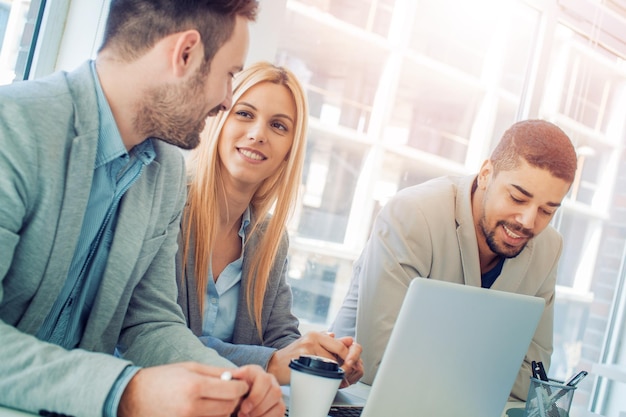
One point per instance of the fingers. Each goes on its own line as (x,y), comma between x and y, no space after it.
(217,387)
(354,353)
(181,390)
(207,370)
(343,350)
(214,408)
(352,374)
(352,364)
(264,397)
(330,345)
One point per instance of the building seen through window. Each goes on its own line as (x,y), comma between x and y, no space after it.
(19,25)
(402,91)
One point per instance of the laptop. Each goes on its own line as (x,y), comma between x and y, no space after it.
(455,351)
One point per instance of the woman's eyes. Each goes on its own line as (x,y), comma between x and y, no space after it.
(275,124)
(244,113)
(280,126)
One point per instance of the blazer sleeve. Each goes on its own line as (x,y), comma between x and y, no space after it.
(240,354)
(399,250)
(279,325)
(154,331)
(36,375)
(281,328)
(345,321)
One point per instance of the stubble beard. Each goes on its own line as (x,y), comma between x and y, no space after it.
(174,114)
(502,249)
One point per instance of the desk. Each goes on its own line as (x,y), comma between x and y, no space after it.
(350,395)
(357,394)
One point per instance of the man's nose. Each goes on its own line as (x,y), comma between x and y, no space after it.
(526,217)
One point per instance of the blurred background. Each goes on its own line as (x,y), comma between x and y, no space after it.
(402,91)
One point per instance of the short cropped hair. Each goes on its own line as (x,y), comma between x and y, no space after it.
(541,144)
(135,26)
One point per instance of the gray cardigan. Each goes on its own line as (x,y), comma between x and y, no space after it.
(279,326)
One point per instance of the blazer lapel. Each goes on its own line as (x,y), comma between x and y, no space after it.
(245,330)
(77,188)
(189,300)
(466,233)
(133,215)
(513,273)
(78,177)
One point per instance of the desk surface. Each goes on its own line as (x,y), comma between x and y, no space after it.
(355,394)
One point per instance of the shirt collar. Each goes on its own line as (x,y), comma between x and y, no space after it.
(245,221)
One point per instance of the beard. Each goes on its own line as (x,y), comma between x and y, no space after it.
(175,114)
(503,249)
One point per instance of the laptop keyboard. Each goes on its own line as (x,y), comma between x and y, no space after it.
(341,412)
(345,411)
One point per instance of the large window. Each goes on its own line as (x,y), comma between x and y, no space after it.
(30,37)
(402,91)
(20,22)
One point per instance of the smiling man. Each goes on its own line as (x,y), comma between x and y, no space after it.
(91,196)
(487,230)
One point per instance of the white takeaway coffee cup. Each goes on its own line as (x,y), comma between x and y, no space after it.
(314,384)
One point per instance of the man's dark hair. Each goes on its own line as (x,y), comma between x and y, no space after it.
(135,26)
(541,144)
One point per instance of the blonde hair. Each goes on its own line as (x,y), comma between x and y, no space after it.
(206,188)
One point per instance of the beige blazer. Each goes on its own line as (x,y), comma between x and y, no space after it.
(427,230)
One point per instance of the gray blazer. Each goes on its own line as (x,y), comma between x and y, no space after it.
(279,326)
(48,140)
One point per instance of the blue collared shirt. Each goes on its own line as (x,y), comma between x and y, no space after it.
(222,297)
(115,171)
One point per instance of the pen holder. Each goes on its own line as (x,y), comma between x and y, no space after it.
(548,399)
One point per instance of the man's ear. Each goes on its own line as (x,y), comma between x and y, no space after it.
(485,174)
(188,52)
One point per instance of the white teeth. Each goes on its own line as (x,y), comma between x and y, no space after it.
(510,233)
(251,155)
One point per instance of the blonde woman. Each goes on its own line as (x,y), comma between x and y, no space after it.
(232,259)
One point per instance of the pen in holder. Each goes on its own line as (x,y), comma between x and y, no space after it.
(548,398)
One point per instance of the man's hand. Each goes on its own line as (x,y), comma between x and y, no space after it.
(352,363)
(344,350)
(264,396)
(181,390)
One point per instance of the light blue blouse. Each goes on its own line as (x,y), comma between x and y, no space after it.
(222,297)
